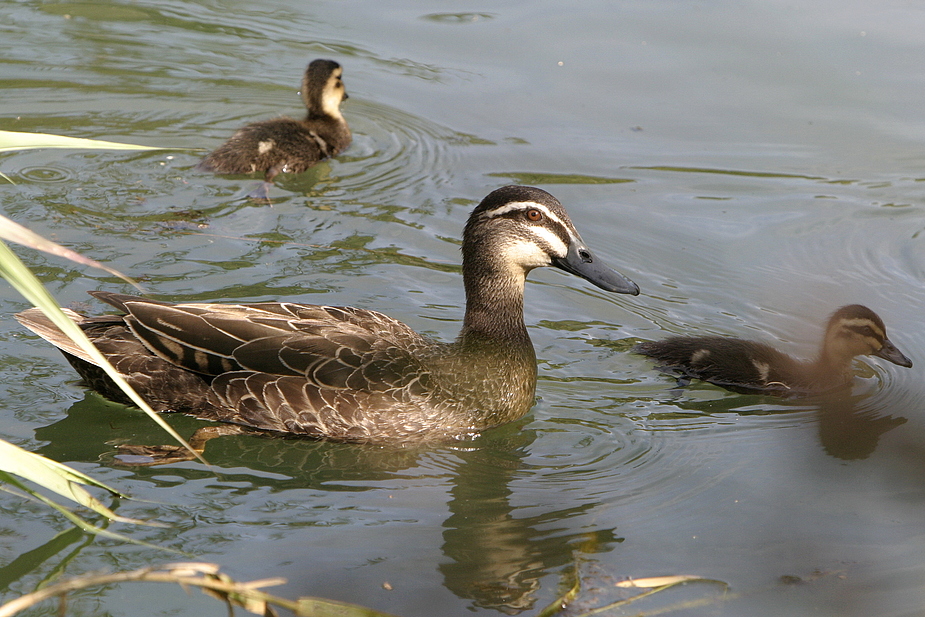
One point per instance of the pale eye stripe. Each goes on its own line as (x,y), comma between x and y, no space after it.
(523,205)
(525,252)
(860,322)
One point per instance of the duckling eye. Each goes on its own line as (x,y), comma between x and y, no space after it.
(534,215)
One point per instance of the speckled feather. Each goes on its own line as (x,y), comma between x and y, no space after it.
(337,372)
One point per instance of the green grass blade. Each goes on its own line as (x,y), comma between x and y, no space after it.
(76,520)
(19,276)
(54,476)
(11,231)
(12,140)
(319,607)
(60,479)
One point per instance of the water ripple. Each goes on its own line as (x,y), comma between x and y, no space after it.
(395,152)
(46,174)
(395,159)
(616,455)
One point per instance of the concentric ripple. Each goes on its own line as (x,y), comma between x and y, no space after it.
(396,153)
(616,455)
(46,174)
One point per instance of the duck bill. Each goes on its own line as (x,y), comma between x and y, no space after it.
(890,352)
(581,262)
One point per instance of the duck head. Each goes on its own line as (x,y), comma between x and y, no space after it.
(518,228)
(323,88)
(855,330)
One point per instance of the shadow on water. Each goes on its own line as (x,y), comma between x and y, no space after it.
(495,556)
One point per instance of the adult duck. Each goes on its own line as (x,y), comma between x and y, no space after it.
(345,373)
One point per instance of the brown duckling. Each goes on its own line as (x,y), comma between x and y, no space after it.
(285,144)
(346,373)
(752,367)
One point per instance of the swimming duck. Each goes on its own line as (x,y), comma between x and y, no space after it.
(345,373)
(749,366)
(287,145)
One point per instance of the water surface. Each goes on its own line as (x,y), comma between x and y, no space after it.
(752,166)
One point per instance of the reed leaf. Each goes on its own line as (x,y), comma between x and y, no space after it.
(78,522)
(11,231)
(54,476)
(19,276)
(207,577)
(13,140)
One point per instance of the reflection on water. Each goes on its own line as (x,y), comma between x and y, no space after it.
(850,428)
(850,423)
(496,552)
(26,563)
(495,555)
(393,155)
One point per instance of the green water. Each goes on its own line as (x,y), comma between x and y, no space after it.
(751,166)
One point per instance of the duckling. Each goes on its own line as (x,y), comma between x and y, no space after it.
(346,373)
(752,367)
(287,145)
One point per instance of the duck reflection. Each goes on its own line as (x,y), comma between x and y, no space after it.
(849,425)
(496,552)
(496,558)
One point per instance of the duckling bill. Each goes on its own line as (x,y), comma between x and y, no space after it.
(346,373)
(285,144)
(749,366)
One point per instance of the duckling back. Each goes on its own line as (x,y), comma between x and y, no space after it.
(737,364)
(278,146)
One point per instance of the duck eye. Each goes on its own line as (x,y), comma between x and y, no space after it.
(534,215)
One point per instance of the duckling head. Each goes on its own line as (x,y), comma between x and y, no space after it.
(855,330)
(518,228)
(323,88)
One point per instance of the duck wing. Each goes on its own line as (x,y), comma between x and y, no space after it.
(336,372)
(331,347)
